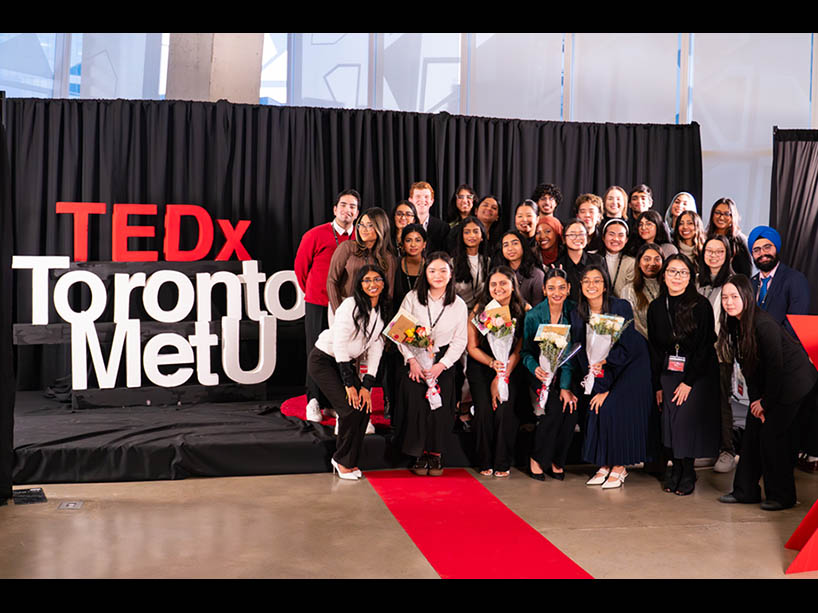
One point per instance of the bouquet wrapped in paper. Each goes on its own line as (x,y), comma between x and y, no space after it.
(405,330)
(555,350)
(497,325)
(601,333)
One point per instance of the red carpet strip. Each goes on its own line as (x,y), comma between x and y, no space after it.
(465,532)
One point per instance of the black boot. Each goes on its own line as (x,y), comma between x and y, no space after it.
(688,481)
(673,475)
(421,465)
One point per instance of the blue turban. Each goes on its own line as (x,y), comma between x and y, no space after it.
(771,234)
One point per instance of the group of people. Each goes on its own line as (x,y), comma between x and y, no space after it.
(700,331)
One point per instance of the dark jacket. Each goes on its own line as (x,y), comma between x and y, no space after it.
(788,293)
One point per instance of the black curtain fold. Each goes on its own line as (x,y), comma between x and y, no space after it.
(7,389)
(794,201)
(281,167)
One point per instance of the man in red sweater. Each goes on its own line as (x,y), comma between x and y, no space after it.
(311,268)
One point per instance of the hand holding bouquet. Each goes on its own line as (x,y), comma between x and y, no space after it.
(601,333)
(497,325)
(404,330)
(554,341)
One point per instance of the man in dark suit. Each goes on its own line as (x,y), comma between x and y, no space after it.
(422,196)
(781,290)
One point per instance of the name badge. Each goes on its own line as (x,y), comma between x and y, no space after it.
(676,363)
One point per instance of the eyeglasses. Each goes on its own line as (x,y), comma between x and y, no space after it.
(677,273)
(367,226)
(574,235)
(768,248)
(713,253)
(404,214)
(465,197)
(375,281)
(722,214)
(593,281)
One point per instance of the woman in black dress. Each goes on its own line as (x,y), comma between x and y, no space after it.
(495,424)
(685,372)
(575,257)
(403,214)
(779,376)
(412,247)
(335,363)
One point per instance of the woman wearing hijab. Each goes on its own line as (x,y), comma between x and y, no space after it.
(549,238)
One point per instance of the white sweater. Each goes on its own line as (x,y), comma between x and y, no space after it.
(451,329)
(344,344)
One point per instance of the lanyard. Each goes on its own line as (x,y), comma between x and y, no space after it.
(672,327)
(429,313)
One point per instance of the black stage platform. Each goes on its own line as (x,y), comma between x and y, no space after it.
(57,444)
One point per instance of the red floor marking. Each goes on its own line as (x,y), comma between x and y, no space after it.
(297,407)
(465,532)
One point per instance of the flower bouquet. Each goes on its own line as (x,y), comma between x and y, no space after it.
(497,325)
(405,330)
(601,333)
(555,350)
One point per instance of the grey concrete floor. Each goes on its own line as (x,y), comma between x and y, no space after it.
(316,526)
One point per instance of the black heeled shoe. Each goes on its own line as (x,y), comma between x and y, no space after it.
(558,476)
(421,465)
(688,481)
(673,475)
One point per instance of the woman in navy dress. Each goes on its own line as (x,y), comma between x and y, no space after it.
(620,401)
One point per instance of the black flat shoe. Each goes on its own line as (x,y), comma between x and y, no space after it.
(673,474)
(774,505)
(729,499)
(558,476)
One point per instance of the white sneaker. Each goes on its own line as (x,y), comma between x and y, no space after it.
(370,429)
(725,463)
(314,411)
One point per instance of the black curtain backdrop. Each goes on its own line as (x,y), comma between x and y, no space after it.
(794,201)
(282,166)
(7,389)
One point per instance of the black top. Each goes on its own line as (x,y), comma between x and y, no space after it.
(784,374)
(741,262)
(574,271)
(697,347)
(404,283)
(437,233)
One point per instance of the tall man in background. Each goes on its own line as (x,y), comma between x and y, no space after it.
(311,269)
(422,196)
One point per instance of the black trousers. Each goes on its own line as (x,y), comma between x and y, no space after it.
(425,429)
(396,371)
(352,423)
(767,451)
(555,431)
(315,322)
(495,430)
(726,384)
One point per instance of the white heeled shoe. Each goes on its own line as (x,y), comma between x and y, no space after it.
(599,478)
(351,476)
(618,480)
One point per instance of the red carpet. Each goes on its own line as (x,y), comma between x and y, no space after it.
(297,407)
(465,532)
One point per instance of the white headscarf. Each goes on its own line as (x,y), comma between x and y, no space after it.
(689,207)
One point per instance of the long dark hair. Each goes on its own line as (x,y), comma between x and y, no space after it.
(382,250)
(395,241)
(528,262)
(583,309)
(462,272)
(635,241)
(638,278)
(422,285)
(735,218)
(684,323)
(698,238)
(363,303)
(737,335)
(726,269)
(453,213)
(516,305)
